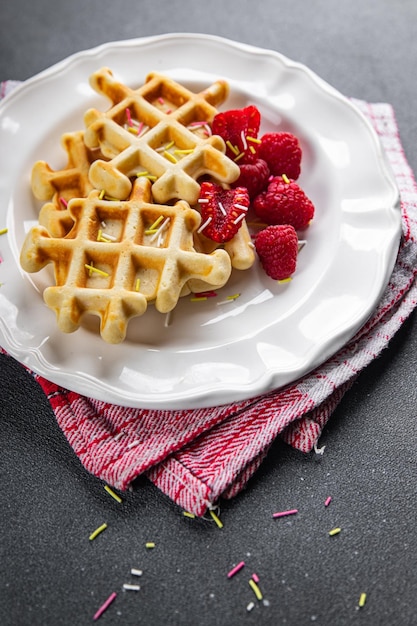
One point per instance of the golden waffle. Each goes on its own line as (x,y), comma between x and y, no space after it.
(118,257)
(240,248)
(159,130)
(60,186)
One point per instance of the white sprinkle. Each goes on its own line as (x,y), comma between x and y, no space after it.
(222,209)
(301,244)
(240,218)
(104,225)
(203,200)
(242,135)
(250,606)
(241,207)
(160,229)
(168,319)
(118,436)
(136,572)
(206,223)
(108,237)
(131,587)
(133,444)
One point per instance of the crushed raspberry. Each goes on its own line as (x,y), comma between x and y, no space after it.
(238,128)
(282,152)
(277,248)
(284,203)
(254,176)
(222,211)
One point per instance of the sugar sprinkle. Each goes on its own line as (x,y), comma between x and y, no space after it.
(105,605)
(97,531)
(236,569)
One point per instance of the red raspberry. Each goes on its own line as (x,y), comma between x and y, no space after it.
(235,126)
(222,210)
(277,248)
(282,152)
(254,176)
(284,203)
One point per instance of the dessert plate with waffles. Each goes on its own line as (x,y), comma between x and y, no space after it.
(185,230)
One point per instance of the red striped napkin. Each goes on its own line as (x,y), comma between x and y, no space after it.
(198,456)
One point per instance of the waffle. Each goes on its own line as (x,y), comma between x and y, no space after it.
(116,260)
(60,186)
(159,130)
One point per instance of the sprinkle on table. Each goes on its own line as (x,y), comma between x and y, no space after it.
(114,495)
(327,501)
(362,600)
(105,606)
(285,513)
(97,531)
(236,569)
(149,545)
(255,588)
(136,572)
(129,587)
(216,519)
(3,231)
(188,514)
(334,531)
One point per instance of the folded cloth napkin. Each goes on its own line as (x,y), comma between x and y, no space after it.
(197,456)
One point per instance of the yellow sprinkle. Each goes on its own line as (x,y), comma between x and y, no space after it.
(113,494)
(137,284)
(198,299)
(169,145)
(3,231)
(236,295)
(97,531)
(233,148)
(187,514)
(133,130)
(334,531)
(285,178)
(256,590)
(95,269)
(102,194)
(146,175)
(285,280)
(252,149)
(156,223)
(99,234)
(239,156)
(253,139)
(216,519)
(362,600)
(170,157)
(110,198)
(149,545)
(184,151)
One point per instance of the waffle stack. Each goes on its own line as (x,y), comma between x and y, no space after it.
(120,221)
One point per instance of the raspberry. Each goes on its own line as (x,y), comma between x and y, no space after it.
(222,210)
(284,203)
(254,176)
(235,126)
(282,152)
(277,248)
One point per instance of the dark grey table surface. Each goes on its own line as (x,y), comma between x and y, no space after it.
(50,574)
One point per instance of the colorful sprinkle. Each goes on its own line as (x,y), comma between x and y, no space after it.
(255,577)
(334,531)
(63,202)
(187,514)
(285,513)
(149,545)
(113,494)
(216,519)
(256,590)
(137,284)
(105,606)
(253,139)
(91,269)
(285,179)
(146,175)
(236,569)
(170,156)
(250,606)
(327,501)
(362,600)
(3,231)
(204,224)
(97,531)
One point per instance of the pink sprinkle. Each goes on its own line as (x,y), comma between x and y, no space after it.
(161,100)
(255,577)
(206,294)
(236,569)
(129,117)
(105,606)
(328,500)
(284,513)
(63,202)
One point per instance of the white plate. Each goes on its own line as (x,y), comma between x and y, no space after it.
(210,353)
